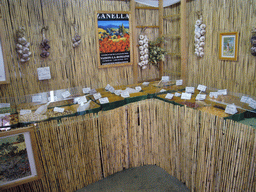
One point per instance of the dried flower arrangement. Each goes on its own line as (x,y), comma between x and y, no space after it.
(156,53)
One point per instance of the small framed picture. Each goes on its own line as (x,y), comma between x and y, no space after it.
(19,162)
(228,45)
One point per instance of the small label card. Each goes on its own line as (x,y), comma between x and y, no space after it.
(214,95)
(201,87)
(165,78)
(104,100)
(186,96)
(179,82)
(111,89)
(25,111)
(92,91)
(118,92)
(125,94)
(52,99)
(162,90)
(190,89)
(58,109)
(44,73)
(231,109)
(169,96)
(86,90)
(200,97)
(36,99)
(80,100)
(138,88)
(177,94)
(252,103)
(107,87)
(65,94)
(145,83)
(3,105)
(223,92)
(5,114)
(244,99)
(97,96)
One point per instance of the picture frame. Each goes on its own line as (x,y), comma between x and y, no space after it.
(114,39)
(19,162)
(228,46)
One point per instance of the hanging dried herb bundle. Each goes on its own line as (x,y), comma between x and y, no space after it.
(156,53)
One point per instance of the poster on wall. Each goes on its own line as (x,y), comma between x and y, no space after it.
(3,78)
(113,39)
(228,46)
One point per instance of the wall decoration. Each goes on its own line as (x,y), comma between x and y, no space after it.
(156,53)
(19,161)
(77,39)
(253,42)
(44,44)
(143,49)
(228,45)
(4,74)
(113,39)
(199,36)
(22,46)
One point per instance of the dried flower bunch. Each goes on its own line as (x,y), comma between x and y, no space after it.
(156,53)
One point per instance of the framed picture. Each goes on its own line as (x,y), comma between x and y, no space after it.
(114,44)
(228,46)
(18,157)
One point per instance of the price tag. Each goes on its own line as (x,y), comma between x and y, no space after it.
(111,89)
(107,87)
(104,100)
(252,103)
(244,99)
(186,96)
(97,96)
(179,82)
(145,83)
(3,105)
(177,94)
(162,90)
(5,114)
(25,111)
(118,92)
(201,87)
(80,100)
(165,78)
(214,95)
(52,99)
(138,88)
(44,73)
(58,109)
(231,109)
(190,89)
(86,90)
(65,94)
(125,94)
(92,91)
(5,129)
(223,92)
(169,96)
(200,97)
(36,99)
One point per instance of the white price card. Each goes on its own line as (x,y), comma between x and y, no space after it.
(52,99)
(3,105)
(5,114)
(107,87)
(177,94)
(36,99)
(214,95)
(111,90)
(65,94)
(138,88)
(165,78)
(200,97)
(186,96)
(44,73)
(104,100)
(252,103)
(169,96)
(179,82)
(201,87)
(92,91)
(190,89)
(80,100)
(223,92)
(145,83)
(125,94)
(86,90)
(58,109)
(244,99)
(162,90)
(231,109)
(25,111)
(118,92)
(97,96)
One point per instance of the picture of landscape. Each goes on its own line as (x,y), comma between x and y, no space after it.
(14,163)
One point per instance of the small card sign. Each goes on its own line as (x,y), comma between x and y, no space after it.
(80,100)
(65,94)
(179,82)
(138,88)
(86,90)
(111,89)
(125,94)
(177,94)
(145,83)
(244,99)
(58,109)
(36,99)
(214,95)
(104,100)
(118,92)
(25,111)
(92,91)
(223,92)
(52,99)
(190,89)
(231,109)
(3,105)
(107,87)
(252,103)
(169,96)
(201,87)
(186,96)
(200,97)
(5,114)
(165,78)
(162,90)
(44,73)
(97,96)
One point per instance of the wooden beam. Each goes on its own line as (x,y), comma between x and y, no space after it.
(160,33)
(183,42)
(153,8)
(172,35)
(168,16)
(134,40)
(147,26)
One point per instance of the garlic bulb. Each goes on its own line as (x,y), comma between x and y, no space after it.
(199,38)
(143,51)
(22,46)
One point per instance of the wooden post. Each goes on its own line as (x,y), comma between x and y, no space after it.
(160,33)
(135,49)
(183,42)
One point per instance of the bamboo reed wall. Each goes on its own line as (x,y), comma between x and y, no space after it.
(201,150)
